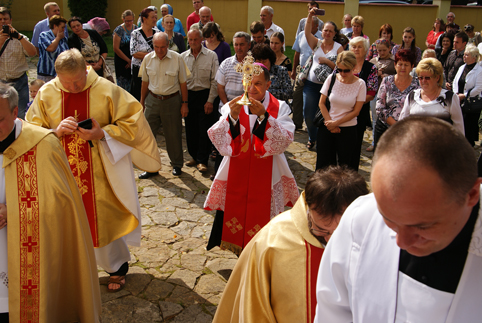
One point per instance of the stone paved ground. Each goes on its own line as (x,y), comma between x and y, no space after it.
(172,278)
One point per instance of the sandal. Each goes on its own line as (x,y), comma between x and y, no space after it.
(310,145)
(116,280)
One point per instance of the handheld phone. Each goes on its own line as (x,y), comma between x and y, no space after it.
(6,29)
(85,124)
(320,12)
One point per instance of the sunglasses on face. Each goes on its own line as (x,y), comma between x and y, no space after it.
(426,78)
(343,70)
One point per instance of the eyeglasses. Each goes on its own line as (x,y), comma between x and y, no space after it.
(426,78)
(315,228)
(343,70)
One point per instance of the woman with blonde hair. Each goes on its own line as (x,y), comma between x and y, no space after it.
(468,82)
(337,137)
(431,99)
(357,24)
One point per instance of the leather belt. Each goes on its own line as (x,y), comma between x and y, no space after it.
(164,97)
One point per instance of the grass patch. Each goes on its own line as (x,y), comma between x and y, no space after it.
(207,271)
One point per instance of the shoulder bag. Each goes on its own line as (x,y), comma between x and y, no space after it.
(319,120)
(305,69)
(472,104)
(107,72)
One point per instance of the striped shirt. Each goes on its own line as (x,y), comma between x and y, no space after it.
(47,59)
(230,79)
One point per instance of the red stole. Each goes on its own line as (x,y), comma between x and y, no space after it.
(78,152)
(248,192)
(313,259)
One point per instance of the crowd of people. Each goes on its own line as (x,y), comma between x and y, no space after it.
(242,111)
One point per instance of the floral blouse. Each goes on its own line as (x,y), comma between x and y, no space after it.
(281,87)
(139,44)
(390,100)
(418,53)
(372,81)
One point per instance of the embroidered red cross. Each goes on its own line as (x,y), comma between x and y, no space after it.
(29,287)
(25,156)
(29,244)
(29,199)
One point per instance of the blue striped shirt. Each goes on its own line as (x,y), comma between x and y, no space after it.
(47,59)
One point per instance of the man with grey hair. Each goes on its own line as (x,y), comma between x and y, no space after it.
(164,75)
(451,20)
(266,14)
(195,17)
(204,17)
(202,92)
(51,9)
(38,197)
(411,251)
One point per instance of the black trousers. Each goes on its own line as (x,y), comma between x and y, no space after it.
(336,148)
(380,128)
(122,270)
(197,124)
(363,120)
(4,317)
(216,231)
(136,84)
(471,127)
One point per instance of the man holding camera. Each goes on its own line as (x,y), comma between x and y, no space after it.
(14,47)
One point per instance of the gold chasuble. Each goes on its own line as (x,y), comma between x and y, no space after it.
(51,264)
(109,200)
(274,279)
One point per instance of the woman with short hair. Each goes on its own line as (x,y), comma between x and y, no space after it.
(176,41)
(337,137)
(431,99)
(385,32)
(89,43)
(447,46)
(469,78)
(121,41)
(51,43)
(408,42)
(474,36)
(166,9)
(357,24)
(280,87)
(392,93)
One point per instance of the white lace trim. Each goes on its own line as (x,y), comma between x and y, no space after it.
(277,138)
(475,246)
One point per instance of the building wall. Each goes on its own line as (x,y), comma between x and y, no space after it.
(232,15)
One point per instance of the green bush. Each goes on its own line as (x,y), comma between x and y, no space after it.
(88,9)
(6,3)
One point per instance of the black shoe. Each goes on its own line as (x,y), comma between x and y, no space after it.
(176,171)
(147,175)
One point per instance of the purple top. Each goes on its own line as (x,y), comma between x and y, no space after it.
(223,51)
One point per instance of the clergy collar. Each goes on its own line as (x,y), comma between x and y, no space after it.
(8,141)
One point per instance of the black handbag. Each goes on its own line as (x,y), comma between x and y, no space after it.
(472,104)
(319,120)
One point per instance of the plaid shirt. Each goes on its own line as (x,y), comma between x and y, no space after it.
(13,63)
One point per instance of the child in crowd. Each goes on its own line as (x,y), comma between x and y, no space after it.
(35,85)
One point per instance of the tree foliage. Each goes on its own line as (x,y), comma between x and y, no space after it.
(88,9)
(6,3)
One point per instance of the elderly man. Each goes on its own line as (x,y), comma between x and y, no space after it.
(202,91)
(455,58)
(302,23)
(48,249)
(302,53)
(451,20)
(103,131)
(409,252)
(51,9)
(204,17)
(194,17)
(258,34)
(293,242)
(266,14)
(13,64)
(254,182)
(164,74)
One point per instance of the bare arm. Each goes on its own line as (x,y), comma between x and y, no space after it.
(312,40)
(140,55)
(53,46)
(296,62)
(116,44)
(184,107)
(144,92)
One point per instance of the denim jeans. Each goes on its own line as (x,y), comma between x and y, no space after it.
(21,85)
(311,100)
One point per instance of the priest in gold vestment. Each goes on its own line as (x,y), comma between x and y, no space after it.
(101,157)
(274,279)
(47,264)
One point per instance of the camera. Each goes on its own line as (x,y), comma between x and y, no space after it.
(6,30)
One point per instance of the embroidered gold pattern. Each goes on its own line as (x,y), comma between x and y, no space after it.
(234,225)
(76,158)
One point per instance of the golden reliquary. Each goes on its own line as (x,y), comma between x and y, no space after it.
(249,70)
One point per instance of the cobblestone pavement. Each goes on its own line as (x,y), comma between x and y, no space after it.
(172,278)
